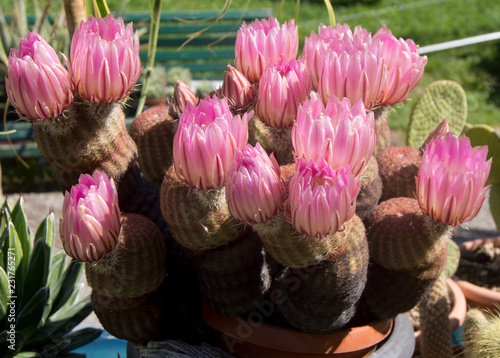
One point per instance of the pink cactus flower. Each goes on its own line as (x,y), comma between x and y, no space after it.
(338,38)
(405,66)
(282,88)
(320,199)
(340,134)
(182,96)
(237,88)
(253,189)
(38,85)
(105,59)
(450,182)
(262,43)
(206,142)
(90,225)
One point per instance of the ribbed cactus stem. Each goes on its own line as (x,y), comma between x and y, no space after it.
(401,236)
(273,140)
(485,343)
(370,190)
(86,137)
(137,265)
(382,130)
(398,167)
(434,321)
(198,219)
(475,322)
(153,131)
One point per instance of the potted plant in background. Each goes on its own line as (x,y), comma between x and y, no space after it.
(274,193)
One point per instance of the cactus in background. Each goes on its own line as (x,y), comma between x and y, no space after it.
(441,100)
(486,135)
(39,292)
(475,324)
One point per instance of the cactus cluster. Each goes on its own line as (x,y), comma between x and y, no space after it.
(248,196)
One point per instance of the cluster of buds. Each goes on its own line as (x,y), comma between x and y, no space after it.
(104,67)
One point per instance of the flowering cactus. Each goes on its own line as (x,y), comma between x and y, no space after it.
(105,61)
(405,66)
(320,198)
(450,182)
(206,141)
(262,43)
(282,87)
(340,134)
(237,88)
(253,189)
(38,86)
(91,218)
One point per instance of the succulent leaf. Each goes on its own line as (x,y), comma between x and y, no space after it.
(46,232)
(72,276)
(495,203)
(29,319)
(440,100)
(36,275)
(453,258)
(4,293)
(14,245)
(56,276)
(486,135)
(21,223)
(71,307)
(82,337)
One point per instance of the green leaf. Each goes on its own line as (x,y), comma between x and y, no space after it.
(70,305)
(72,276)
(82,337)
(21,223)
(56,277)
(14,257)
(36,276)
(27,355)
(4,294)
(46,232)
(30,317)
(480,135)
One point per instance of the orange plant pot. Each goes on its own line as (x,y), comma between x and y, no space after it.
(249,339)
(479,297)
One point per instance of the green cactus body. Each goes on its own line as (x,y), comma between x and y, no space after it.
(137,266)
(382,130)
(137,319)
(486,343)
(398,167)
(293,249)
(230,275)
(370,190)
(86,138)
(273,140)
(323,298)
(440,100)
(401,236)
(198,219)
(153,131)
(434,322)
(475,322)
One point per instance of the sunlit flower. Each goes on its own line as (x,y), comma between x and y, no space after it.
(404,64)
(321,199)
(282,88)
(450,182)
(253,189)
(340,134)
(206,142)
(105,59)
(38,86)
(264,42)
(90,224)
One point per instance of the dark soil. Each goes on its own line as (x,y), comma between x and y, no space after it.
(481,267)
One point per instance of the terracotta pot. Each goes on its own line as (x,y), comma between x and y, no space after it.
(457,313)
(250,338)
(479,297)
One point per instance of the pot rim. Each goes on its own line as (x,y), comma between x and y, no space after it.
(291,340)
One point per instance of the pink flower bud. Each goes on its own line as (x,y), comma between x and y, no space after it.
(405,66)
(253,189)
(182,96)
(90,224)
(206,142)
(237,89)
(340,134)
(38,86)
(262,43)
(105,59)
(450,182)
(321,199)
(282,88)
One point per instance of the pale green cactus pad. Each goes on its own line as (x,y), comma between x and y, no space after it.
(495,203)
(440,100)
(486,135)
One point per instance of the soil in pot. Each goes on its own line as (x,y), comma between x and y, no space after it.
(478,273)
